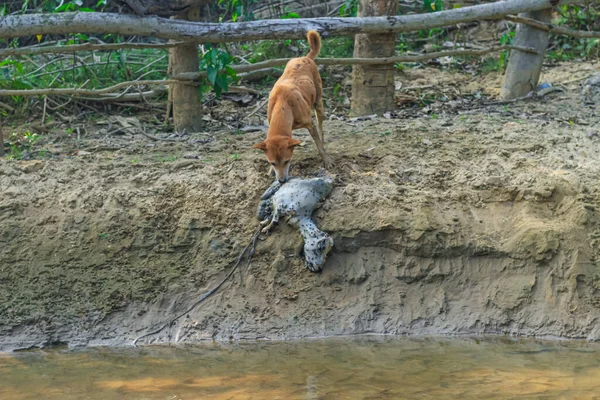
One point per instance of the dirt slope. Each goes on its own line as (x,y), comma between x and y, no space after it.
(458,222)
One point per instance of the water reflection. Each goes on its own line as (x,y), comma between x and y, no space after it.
(363,368)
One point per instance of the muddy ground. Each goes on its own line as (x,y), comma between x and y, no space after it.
(459,217)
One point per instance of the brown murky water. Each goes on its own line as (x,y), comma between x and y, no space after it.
(360,368)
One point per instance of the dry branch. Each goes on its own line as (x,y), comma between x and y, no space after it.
(6,107)
(104,23)
(277,62)
(108,94)
(552,28)
(85,92)
(259,74)
(121,97)
(32,50)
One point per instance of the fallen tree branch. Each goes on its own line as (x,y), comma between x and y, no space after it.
(6,107)
(105,23)
(108,94)
(552,28)
(86,92)
(278,62)
(140,96)
(157,139)
(260,74)
(74,48)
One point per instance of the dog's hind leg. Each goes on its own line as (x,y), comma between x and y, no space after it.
(320,115)
(312,129)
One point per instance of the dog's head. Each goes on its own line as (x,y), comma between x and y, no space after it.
(279,153)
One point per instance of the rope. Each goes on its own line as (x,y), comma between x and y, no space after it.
(251,246)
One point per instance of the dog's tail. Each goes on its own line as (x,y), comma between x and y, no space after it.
(314,40)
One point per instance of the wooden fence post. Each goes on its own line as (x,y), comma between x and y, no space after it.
(187,112)
(373,85)
(523,69)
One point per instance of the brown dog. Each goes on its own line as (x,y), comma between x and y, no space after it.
(291,101)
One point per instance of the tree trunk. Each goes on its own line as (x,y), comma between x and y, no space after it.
(373,85)
(104,23)
(163,8)
(523,69)
(185,103)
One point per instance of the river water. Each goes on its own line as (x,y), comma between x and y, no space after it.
(339,368)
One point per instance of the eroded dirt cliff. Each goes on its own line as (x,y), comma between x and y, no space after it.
(478,222)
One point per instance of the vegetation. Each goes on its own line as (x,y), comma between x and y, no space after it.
(102,69)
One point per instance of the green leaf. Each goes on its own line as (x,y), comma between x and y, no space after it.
(65,8)
(290,15)
(231,72)
(212,74)
(214,56)
(222,83)
(218,91)
(19,83)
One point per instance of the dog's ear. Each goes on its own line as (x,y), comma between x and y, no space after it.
(260,146)
(293,143)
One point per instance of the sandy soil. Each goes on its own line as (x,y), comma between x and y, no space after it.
(458,217)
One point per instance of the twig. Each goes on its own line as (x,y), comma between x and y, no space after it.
(242,89)
(157,139)
(85,47)
(44,112)
(533,94)
(336,10)
(151,72)
(190,76)
(145,106)
(150,64)
(552,28)
(7,107)
(575,80)
(44,66)
(57,105)
(261,105)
